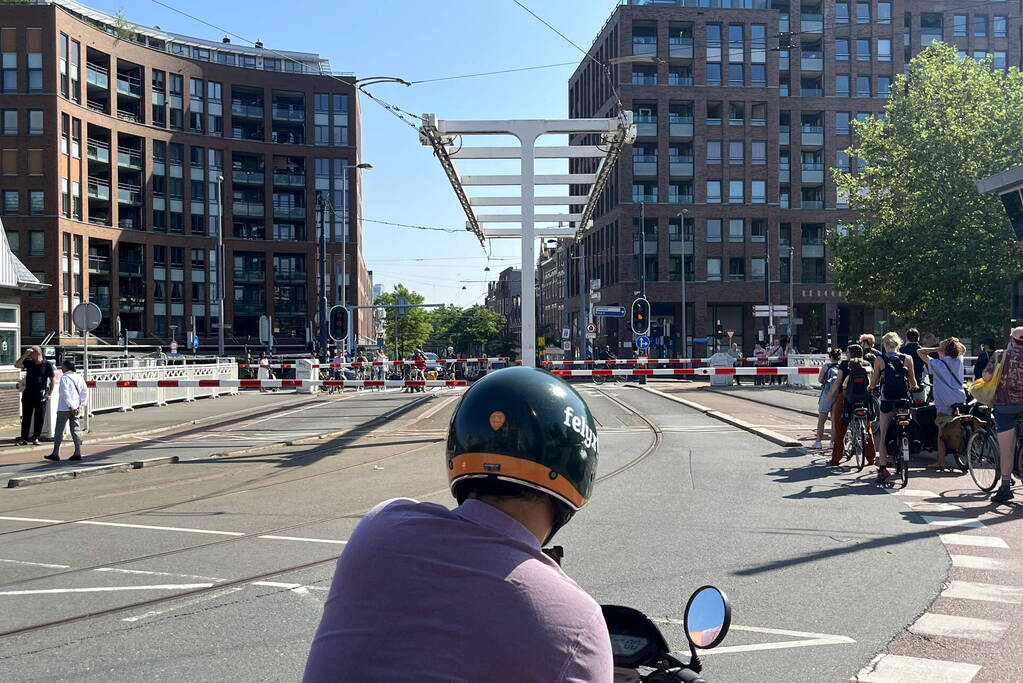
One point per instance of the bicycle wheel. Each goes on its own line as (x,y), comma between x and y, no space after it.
(982,458)
(598,379)
(861,446)
(960,454)
(904,459)
(851,442)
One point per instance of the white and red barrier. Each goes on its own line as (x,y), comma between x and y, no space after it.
(366,364)
(802,370)
(660,361)
(260,383)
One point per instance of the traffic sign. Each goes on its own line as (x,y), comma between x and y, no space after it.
(609,311)
(195,341)
(591,328)
(730,333)
(566,333)
(174,347)
(643,342)
(591,335)
(87,316)
(765,311)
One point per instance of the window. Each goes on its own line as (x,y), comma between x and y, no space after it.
(863,86)
(177,256)
(36,203)
(736,75)
(35,121)
(980,25)
(736,37)
(758,230)
(884,12)
(998,27)
(736,230)
(758,152)
(735,191)
(199,259)
(713,42)
(758,75)
(713,229)
(714,113)
(713,151)
(842,49)
(758,191)
(11,203)
(713,191)
(863,50)
(713,73)
(842,85)
(36,243)
(757,268)
(736,152)
(736,268)
(35,72)
(14,239)
(842,12)
(758,114)
(9,72)
(842,160)
(884,84)
(862,12)
(736,113)
(959,25)
(37,323)
(884,50)
(758,43)
(159,255)
(10,121)
(713,271)
(999,60)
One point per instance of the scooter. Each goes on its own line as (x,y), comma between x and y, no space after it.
(636,642)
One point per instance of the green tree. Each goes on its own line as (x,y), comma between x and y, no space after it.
(478,326)
(445,322)
(405,333)
(929,247)
(123,29)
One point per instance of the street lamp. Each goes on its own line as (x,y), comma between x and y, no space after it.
(220,266)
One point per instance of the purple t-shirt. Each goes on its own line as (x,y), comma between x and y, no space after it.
(430,594)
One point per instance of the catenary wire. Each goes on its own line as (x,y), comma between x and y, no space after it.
(493,73)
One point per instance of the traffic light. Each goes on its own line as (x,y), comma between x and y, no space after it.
(719,331)
(338,319)
(641,317)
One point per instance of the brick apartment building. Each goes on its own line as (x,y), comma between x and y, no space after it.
(742,109)
(99,122)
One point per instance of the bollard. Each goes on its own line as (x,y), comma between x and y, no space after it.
(307,368)
(721,360)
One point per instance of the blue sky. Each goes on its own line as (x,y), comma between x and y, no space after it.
(415,40)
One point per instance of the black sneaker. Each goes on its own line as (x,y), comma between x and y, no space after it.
(52,456)
(1002,495)
(75,457)
(882,476)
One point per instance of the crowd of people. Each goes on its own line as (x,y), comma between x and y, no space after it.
(880,377)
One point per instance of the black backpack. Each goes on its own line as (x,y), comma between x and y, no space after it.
(856,384)
(894,377)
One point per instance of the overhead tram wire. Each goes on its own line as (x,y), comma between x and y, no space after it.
(493,73)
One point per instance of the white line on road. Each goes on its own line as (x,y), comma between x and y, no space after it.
(107,589)
(809,639)
(949,626)
(157,612)
(979,541)
(886,668)
(30,519)
(990,592)
(38,564)
(149,573)
(919,493)
(953,521)
(927,506)
(304,539)
(978,562)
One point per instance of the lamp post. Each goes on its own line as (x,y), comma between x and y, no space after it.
(344,251)
(792,305)
(685,330)
(220,265)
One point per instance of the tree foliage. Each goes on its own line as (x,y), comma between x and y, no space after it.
(408,332)
(123,29)
(930,248)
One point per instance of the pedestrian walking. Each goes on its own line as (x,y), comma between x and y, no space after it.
(380,371)
(72,398)
(826,378)
(759,360)
(264,371)
(776,351)
(36,388)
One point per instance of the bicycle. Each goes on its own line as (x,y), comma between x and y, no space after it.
(901,418)
(984,455)
(963,417)
(600,379)
(856,436)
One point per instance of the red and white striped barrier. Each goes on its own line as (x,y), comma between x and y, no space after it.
(660,361)
(356,364)
(260,383)
(801,370)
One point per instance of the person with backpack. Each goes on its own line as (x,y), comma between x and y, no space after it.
(910,348)
(947,370)
(826,378)
(848,390)
(894,372)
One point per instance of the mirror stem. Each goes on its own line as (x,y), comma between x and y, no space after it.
(694,659)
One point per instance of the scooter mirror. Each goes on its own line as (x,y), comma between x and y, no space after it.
(707,617)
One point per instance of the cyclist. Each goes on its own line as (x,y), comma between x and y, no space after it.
(987,347)
(1008,407)
(947,370)
(894,371)
(606,354)
(867,342)
(910,348)
(422,592)
(826,378)
(849,390)
(419,363)
(450,367)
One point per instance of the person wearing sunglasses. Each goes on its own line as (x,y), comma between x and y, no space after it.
(1008,406)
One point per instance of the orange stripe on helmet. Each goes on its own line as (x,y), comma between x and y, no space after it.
(508,467)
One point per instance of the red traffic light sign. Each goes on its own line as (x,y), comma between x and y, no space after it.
(640,317)
(338,323)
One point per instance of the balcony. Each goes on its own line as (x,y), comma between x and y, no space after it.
(679,79)
(811,136)
(292,212)
(287,112)
(645,46)
(811,61)
(249,277)
(812,173)
(126,115)
(646,125)
(783,135)
(129,86)
(249,307)
(811,23)
(680,48)
(680,166)
(251,209)
(98,151)
(928,35)
(99,189)
(811,204)
(286,179)
(129,158)
(811,92)
(813,248)
(681,127)
(290,276)
(640,198)
(131,269)
(129,194)
(97,76)
(680,197)
(242,176)
(248,111)
(643,78)
(289,308)
(644,164)
(99,265)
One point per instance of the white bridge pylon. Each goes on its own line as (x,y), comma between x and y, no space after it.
(613,134)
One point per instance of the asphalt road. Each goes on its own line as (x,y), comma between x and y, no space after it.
(822,569)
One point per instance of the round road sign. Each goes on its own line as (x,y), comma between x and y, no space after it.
(87,316)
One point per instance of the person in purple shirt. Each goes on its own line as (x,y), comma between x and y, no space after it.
(425,593)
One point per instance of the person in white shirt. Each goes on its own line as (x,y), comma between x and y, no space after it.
(73,396)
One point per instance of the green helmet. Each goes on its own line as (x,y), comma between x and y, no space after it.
(524,426)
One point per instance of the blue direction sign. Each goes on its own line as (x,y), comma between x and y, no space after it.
(642,342)
(609,311)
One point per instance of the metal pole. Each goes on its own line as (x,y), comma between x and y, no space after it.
(220,266)
(528,299)
(792,305)
(349,348)
(642,249)
(685,333)
(85,371)
(582,301)
(767,285)
(323,276)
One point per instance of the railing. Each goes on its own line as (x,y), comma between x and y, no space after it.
(252,111)
(97,76)
(680,198)
(811,92)
(99,265)
(129,194)
(131,269)
(289,179)
(98,151)
(129,86)
(124,399)
(293,276)
(247,177)
(129,159)
(289,211)
(132,304)
(249,276)
(249,307)
(811,204)
(287,112)
(99,188)
(126,115)
(248,209)
(679,79)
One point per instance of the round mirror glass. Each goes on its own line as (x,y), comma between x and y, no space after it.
(707,617)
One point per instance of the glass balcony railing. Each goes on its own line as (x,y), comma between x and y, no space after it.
(680,197)
(811,92)
(129,86)
(644,79)
(811,23)
(132,304)
(680,48)
(811,204)
(783,134)
(249,276)
(99,189)
(127,115)
(99,265)
(131,269)
(640,198)
(254,209)
(249,307)
(289,308)
(289,179)
(679,79)
(98,151)
(287,112)
(129,158)
(680,166)
(251,111)
(129,194)
(645,46)
(245,177)
(293,276)
(289,211)
(97,76)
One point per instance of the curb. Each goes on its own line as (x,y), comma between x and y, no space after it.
(763,403)
(33,479)
(772,436)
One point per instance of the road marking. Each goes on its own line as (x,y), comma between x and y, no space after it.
(149,573)
(886,668)
(107,589)
(918,493)
(210,596)
(38,564)
(303,539)
(297,588)
(30,519)
(979,541)
(926,506)
(809,639)
(947,625)
(954,521)
(978,562)
(990,592)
